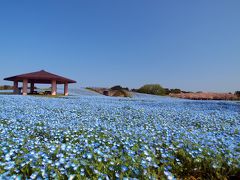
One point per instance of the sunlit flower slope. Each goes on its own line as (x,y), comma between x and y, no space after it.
(144,137)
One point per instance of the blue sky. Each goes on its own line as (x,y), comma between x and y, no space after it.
(188,44)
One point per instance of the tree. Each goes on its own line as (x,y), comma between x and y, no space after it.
(175,91)
(155,89)
(118,87)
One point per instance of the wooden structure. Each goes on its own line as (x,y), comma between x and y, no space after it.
(39,77)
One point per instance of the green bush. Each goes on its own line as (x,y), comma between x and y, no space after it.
(155,89)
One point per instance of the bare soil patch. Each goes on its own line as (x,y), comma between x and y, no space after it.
(206,96)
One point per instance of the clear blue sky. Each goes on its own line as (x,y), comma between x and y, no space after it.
(187,44)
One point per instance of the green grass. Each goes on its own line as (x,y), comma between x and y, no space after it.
(49,96)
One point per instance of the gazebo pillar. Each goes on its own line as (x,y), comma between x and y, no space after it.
(25,87)
(54,88)
(15,87)
(32,87)
(66,89)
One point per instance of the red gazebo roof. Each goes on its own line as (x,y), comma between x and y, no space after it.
(42,77)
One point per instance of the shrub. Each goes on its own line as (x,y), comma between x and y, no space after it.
(167,91)
(155,89)
(118,87)
(237,93)
(172,91)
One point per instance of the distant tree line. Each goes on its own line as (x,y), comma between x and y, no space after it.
(6,87)
(156,89)
(175,91)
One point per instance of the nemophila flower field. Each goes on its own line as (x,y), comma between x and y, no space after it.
(96,137)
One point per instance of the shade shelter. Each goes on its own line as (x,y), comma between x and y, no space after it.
(40,77)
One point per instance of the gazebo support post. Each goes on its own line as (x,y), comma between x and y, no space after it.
(15,87)
(66,89)
(25,87)
(54,88)
(32,88)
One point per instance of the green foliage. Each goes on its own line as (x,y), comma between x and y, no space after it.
(155,89)
(206,165)
(6,87)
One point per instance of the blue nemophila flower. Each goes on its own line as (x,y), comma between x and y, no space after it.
(99,159)
(82,172)
(117,175)
(124,168)
(57,163)
(62,160)
(89,156)
(34,175)
(100,134)
(169,175)
(111,168)
(8,157)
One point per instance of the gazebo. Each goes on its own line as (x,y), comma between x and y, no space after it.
(39,77)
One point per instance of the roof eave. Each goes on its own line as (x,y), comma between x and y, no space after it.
(9,79)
